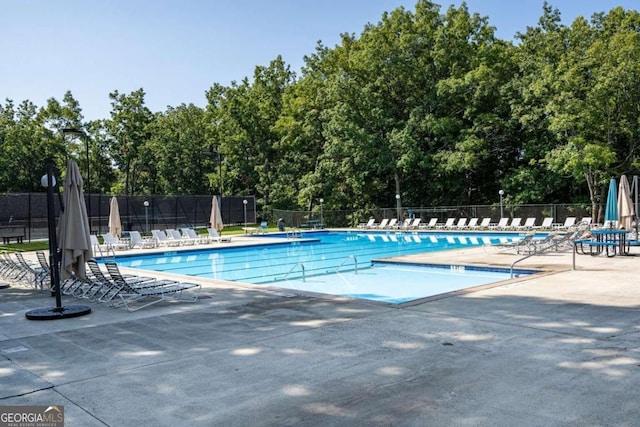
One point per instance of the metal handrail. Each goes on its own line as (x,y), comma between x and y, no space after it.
(355,261)
(293,268)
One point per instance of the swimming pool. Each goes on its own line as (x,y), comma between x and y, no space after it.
(337,263)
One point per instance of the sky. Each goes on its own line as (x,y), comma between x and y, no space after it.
(177,49)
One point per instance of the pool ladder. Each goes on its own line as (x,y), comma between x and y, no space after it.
(355,262)
(293,268)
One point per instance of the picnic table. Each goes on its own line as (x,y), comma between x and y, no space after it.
(607,241)
(8,232)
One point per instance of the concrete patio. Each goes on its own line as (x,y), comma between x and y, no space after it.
(560,349)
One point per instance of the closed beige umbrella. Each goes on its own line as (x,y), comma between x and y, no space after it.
(216,215)
(115,226)
(625,204)
(75,244)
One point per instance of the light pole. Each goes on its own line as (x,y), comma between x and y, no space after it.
(244,203)
(501,193)
(398,207)
(79,133)
(146,214)
(321,213)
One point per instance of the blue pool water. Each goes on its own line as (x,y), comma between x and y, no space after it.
(337,263)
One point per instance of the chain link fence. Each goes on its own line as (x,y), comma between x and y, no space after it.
(28,211)
(351,218)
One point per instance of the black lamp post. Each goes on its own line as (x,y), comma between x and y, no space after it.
(81,134)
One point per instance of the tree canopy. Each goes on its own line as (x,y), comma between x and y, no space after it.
(425,103)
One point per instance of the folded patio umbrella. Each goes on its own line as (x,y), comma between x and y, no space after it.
(74,245)
(611,209)
(216,215)
(625,204)
(115,225)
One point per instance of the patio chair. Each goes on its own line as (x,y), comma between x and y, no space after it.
(213,233)
(568,223)
(515,224)
(137,241)
(393,223)
(520,245)
(45,270)
(448,224)
(175,235)
(546,224)
(11,269)
(415,223)
(98,287)
(383,223)
(430,225)
(163,240)
(461,224)
(405,224)
(472,224)
(368,224)
(191,233)
(484,224)
(501,225)
(158,291)
(529,224)
(114,242)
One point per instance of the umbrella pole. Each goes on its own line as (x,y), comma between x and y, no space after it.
(57,312)
(53,240)
(635,192)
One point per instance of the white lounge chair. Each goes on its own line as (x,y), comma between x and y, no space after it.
(368,224)
(473,223)
(393,223)
(383,223)
(405,224)
(547,224)
(450,223)
(529,224)
(415,223)
(515,223)
(191,234)
(175,235)
(163,240)
(431,224)
(485,223)
(569,222)
(137,241)
(213,233)
(462,223)
(114,242)
(501,225)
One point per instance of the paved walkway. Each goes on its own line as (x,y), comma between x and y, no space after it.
(556,350)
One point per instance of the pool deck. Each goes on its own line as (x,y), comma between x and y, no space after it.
(560,349)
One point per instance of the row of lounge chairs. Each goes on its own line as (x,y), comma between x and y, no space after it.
(111,287)
(168,237)
(130,291)
(505,224)
(531,243)
(16,269)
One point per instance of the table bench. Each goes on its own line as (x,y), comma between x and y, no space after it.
(18,232)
